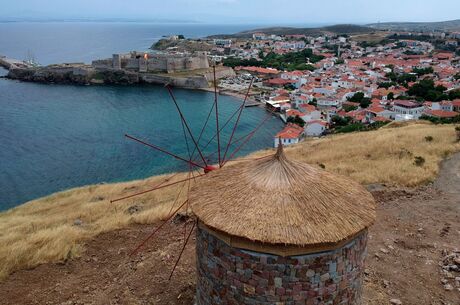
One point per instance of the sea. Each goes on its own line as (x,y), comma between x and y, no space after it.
(56,137)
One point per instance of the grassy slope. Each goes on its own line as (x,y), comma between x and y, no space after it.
(451,25)
(336,29)
(44,230)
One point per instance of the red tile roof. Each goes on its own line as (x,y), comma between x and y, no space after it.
(442,113)
(381,119)
(317,122)
(307,107)
(291,131)
(294,112)
(405,103)
(259,70)
(456,103)
(280,81)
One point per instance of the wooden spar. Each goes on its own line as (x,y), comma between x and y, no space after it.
(154,189)
(164,151)
(186,125)
(217,113)
(236,123)
(249,136)
(156,230)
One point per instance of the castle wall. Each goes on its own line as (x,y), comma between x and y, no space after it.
(156,63)
(116,61)
(143,65)
(228,275)
(102,64)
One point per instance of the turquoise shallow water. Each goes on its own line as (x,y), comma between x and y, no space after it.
(55,137)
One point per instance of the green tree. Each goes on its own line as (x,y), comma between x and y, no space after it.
(340,121)
(357,97)
(426,90)
(349,108)
(296,120)
(386,85)
(422,71)
(313,102)
(365,102)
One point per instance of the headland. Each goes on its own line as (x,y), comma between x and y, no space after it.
(184,70)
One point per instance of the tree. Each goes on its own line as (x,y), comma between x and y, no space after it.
(313,102)
(349,108)
(454,94)
(357,97)
(365,102)
(296,120)
(391,96)
(422,71)
(386,85)
(426,90)
(340,121)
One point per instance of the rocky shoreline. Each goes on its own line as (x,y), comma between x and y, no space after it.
(80,74)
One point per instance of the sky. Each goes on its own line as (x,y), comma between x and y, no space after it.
(272,12)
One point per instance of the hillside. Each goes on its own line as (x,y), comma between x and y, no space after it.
(181,45)
(335,29)
(416,229)
(452,25)
(54,228)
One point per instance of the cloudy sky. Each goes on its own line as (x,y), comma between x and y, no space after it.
(239,11)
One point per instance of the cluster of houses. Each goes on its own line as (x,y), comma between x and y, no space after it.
(316,97)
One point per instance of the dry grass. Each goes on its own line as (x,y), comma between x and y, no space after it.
(376,36)
(383,156)
(44,230)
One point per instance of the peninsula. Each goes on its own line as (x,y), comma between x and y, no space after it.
(179,69)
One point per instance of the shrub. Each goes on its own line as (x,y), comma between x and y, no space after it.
(457,129)
(428,138)
(419,161)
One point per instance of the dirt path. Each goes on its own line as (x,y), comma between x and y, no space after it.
(449,177)
(415,229)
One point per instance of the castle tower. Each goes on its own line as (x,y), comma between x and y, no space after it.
(143,64)
(276,231)
(116,61)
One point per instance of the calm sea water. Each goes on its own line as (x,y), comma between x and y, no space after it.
(54,137)
(84,41)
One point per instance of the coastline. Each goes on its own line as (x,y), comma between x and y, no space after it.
(84,74)
(251,102)
(15,193)
(56,226)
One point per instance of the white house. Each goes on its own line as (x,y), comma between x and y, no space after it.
(291,134)
(315,128)
(406,110)
(328,103)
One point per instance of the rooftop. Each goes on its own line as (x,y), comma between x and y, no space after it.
(277,201)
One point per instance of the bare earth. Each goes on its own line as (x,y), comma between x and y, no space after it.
(415,229)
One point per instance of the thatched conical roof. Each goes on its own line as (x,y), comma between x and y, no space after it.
(282,202)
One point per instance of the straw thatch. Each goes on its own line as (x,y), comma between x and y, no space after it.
(279,201)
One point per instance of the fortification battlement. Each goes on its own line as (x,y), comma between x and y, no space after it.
(158,62)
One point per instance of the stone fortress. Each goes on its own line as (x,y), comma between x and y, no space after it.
(154,62)
(186,70)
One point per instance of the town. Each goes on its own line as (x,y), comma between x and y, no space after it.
(318,85)
(340,83)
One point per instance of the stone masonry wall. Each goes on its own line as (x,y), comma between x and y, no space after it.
(228,275)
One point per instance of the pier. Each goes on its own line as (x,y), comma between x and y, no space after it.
(9,63)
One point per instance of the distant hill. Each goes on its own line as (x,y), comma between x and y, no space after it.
(335,29)
(447,26)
